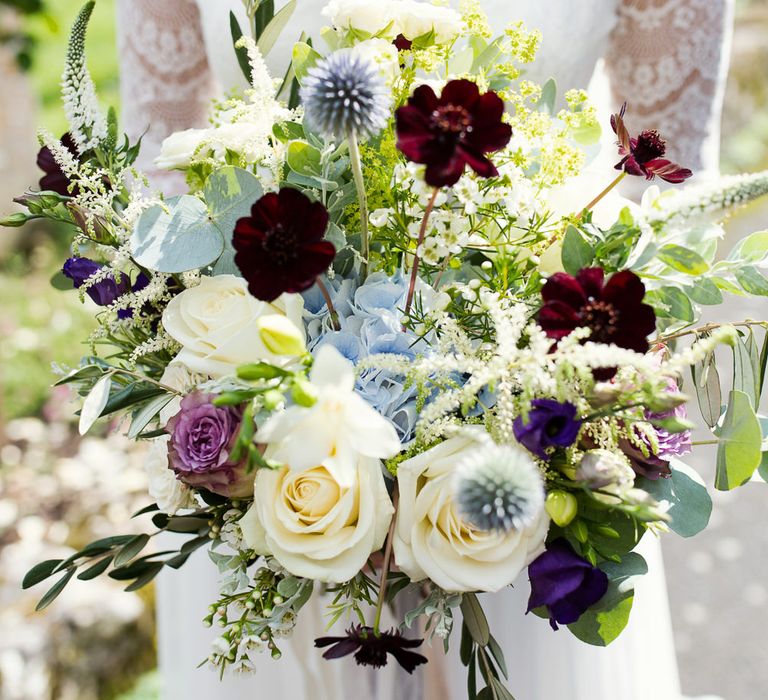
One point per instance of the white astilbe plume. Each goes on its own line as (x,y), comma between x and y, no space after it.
(87,123)
(262,83)
(715,200)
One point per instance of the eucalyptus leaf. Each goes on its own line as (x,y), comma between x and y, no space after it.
(739,450)
(94,404)
(304,159)
(752,280)
(745,370)
(671,302)
(304,58)
(690,504)
(706,382)
(177,237)
(683,259)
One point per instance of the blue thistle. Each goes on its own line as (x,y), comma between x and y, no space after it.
(344,94)
(499,489)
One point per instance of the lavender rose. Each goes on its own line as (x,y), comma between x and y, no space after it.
(202,437)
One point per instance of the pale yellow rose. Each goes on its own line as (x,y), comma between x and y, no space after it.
(315,527)
(433,541)
(216,325)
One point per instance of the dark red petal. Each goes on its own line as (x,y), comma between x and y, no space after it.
(314,224)
(460,92)
(489,138)
(409,660)
(631,167)
(266,211)
(445,173)
(622,135)
(341,648)
(624,289)
(557,319)
(562,287)
(668,171)
(591,281)
(424,99)
(488,109)
(477,161)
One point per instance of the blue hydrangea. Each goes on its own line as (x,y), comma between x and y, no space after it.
(370,317)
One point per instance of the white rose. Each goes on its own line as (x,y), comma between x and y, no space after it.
(169,493)
(433,541)
(178,149)
(177,376)
(215,322)
(315,527)
(365,15)
(245,138)
(414,19)
(382,53)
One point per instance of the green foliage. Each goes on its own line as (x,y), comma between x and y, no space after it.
(739,451)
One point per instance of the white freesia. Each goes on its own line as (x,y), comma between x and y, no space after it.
(433,541)
(170,494)
(339,428)
(316,527)
(382,53)
(216,325)
(179,149)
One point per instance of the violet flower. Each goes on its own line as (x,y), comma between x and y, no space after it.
(106,291)
(550,424)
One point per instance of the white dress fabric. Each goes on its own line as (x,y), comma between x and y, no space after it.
(668,58)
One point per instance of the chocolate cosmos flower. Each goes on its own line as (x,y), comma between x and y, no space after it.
(550,424)
(612,310)
(54,179)
(565,583)
(642,155)
(452,131)
(280,246)
(371,649)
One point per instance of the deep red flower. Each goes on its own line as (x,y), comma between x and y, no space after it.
(643,155)
(54,179)
(613,310)
(402,44)
(280,247)
(371,649)
(452,131)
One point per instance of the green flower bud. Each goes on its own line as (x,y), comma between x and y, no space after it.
(562,507)
(280,335)
(303,392)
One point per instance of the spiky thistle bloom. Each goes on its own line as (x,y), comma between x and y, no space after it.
(499,488)
(346,93)
(88,124)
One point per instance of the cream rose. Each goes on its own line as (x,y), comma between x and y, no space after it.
(169,493)
(415,19)
(216,325)
(433,541)
(179,149)
(315,527)
(364,15)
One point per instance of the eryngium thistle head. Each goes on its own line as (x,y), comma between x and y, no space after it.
(499,489)
(346,93)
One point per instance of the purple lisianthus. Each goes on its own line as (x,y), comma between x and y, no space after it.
(550,424)
(202,438)
(564,583)
(106,291)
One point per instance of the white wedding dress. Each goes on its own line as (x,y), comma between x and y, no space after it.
(668,59)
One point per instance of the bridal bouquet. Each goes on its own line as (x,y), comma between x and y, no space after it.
(384,343)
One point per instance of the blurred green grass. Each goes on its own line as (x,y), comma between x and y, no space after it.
(52,32)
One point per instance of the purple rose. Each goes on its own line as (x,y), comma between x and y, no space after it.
(108,290)
(550,424)
(565,583)
(202,437)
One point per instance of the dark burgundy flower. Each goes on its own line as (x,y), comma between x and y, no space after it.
(614,310)
(564,583)
(106,291)
(54,179)
(550,424)
(649,465)
(402,44)
(280,246)
(452,131)
(643,155)
(202,438)
(371,649)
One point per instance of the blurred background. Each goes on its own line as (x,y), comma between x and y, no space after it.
(58,491)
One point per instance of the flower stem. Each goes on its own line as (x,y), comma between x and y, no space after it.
(357,174)
(422,234)
(595,201)
(329,303)
(385,565)
(706,329)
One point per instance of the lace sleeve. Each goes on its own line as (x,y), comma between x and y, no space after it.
(165,82)
(668,59)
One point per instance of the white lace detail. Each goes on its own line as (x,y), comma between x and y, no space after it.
(165,83)
(667,59)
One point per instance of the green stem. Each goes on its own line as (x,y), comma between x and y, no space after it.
(385,565)
(706,329)
(357,174)
(705,442)
(329,303)
(594,202)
